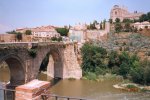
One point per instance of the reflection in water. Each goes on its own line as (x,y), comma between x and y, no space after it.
(4,73)
(93,90)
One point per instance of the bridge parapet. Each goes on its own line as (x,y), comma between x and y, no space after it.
(31,44)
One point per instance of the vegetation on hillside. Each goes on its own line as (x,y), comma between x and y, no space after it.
(98,61)
(56,39)
(145,17)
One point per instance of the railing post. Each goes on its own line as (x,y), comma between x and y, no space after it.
(56,98)
(68,99)
(5,95)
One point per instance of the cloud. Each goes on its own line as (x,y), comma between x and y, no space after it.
(4,28)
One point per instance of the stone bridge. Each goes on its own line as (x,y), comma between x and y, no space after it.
(24,60)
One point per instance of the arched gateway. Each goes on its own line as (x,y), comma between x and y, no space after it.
(24,60)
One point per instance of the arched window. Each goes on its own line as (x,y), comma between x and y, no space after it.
(115,12)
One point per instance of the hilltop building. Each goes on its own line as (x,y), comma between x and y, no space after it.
(123,13)
(142,25)
(81,34)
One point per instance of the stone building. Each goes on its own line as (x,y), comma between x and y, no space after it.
(42,33)
(12,38)
(82,34)
(142,25)
(123,13)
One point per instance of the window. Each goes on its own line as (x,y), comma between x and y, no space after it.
(115,12)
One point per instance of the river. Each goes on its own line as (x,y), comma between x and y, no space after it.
(90,90)
(93,90)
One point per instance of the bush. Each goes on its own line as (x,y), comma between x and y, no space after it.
(28,32)
(137,75)
(56,39)
(32,52)
(141,73)
(62,31)
(93,57)
(91,76)
(124,69)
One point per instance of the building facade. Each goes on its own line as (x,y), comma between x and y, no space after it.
(123,13)
(142,25)
(41,33)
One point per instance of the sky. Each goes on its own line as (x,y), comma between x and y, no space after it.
(32,13)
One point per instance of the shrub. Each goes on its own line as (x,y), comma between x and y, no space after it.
(56,39)
(32,52)
(28,32)
(91,76)
(130,86)
(137,75)
(124,69)
(62,31)
(141,73)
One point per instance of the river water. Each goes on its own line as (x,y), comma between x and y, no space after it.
(90,90)
(93,90)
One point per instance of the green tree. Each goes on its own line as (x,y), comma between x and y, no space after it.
(118,27)
(117,20)
(148,16)
(113,59)
(62,31)
(144,17)
(127,27)
(101,26)
(95,22)
(127,21)
(110,21)
(92,26)
(93,58)
(12,32)
(28,32)
(104,22)
(19,36)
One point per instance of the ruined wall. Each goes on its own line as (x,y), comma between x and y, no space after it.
(72,68)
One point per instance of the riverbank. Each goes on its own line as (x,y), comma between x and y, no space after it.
(107,76)
(132,87)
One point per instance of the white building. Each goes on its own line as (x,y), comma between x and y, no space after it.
(41,33)
(44,32)
(142,25)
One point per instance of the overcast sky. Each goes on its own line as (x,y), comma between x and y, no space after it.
(30,13)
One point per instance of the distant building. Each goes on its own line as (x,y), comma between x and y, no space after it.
(41,33)
(123,13)
(142,25)
(12,38)
(81,34)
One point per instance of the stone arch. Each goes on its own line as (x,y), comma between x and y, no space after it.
(16,67)
(55,69)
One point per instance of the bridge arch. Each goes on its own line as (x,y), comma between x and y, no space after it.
(16,67)
(54,63)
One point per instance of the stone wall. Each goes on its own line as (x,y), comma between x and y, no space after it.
(24,67)
(72,68)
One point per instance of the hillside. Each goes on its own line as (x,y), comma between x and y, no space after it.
(130,42)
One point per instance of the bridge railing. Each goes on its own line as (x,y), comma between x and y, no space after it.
(56,97)
(7,94)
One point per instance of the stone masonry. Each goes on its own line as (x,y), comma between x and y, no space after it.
(25,68)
